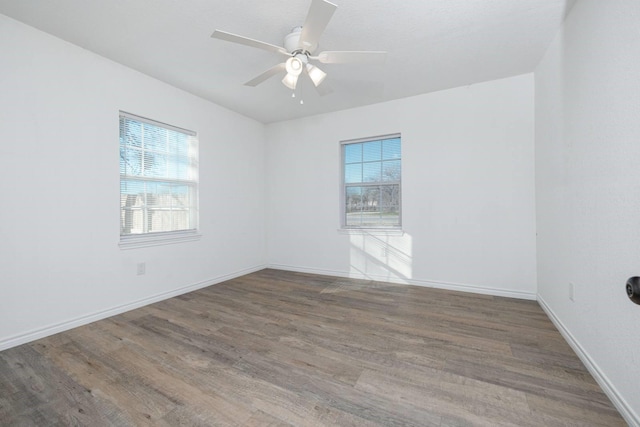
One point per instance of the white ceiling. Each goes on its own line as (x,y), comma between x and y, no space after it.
(431,44)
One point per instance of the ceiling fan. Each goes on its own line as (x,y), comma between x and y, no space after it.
(299,46)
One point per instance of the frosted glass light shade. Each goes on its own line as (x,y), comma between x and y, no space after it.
(293,66)
(316,74)
(290,81)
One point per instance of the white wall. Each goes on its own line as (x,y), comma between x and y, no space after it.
(588,189)
(467,195)
(59,222)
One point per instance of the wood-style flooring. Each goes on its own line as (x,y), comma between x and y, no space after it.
(277,348)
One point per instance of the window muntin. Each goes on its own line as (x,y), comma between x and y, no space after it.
(158,178)
(371,177)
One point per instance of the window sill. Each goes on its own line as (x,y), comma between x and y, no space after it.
(372,231)
(157,239)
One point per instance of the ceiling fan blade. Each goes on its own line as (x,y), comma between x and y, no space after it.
(319,15)
(266,75)
(234,38)
(355,57)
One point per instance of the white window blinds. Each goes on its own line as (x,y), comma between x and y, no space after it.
(158,177)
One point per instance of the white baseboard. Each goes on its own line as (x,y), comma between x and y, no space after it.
(425,283)
(92,317)
(612,393)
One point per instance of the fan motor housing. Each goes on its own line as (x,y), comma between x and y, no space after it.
(292,41)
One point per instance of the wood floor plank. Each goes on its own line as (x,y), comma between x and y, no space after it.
(49,396)
(102,377)
(553,411)
(277,348)
(261,419)
(472,401)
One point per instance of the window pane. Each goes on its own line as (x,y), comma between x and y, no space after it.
(178,168)
(180,196)
(371,172)
(371,206)
(151,194)
(352,153)
(155,165)
(371,151)
(130,161)
(131,206)
(391,149)
(353,202)
(371,219)
(180,219)
(353,173)
(353,219)
(155,138)
(370,198)
(178,144)
(390,195)
(390,205)
(353,205)
(131,188)
(130,133)
(159,219)
(123,160)
(390,217)
(391,170)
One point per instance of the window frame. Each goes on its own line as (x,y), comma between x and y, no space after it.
(343,188)
(153,238)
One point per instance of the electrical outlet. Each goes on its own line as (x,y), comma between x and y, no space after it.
(571,292)
(141,268)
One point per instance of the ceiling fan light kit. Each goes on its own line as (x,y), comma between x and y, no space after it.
(299,46)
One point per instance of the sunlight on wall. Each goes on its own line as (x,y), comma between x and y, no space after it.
(380,256)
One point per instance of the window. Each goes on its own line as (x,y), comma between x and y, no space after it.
(371,173)
(158,179)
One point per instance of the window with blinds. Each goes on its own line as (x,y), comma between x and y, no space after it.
(371,182)
(158,178)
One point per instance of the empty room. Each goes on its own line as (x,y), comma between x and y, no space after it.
(314,213)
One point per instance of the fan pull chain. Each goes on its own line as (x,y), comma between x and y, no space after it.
(293,95)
